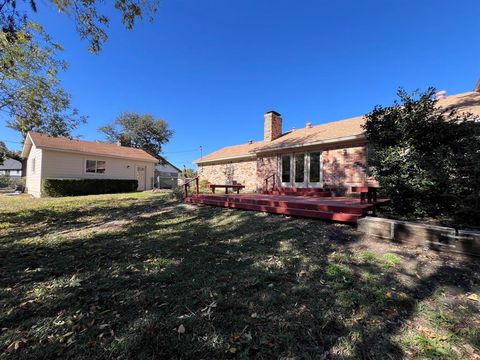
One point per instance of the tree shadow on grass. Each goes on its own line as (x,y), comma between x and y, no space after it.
(241,284)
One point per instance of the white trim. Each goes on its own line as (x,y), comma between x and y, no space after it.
(321,142)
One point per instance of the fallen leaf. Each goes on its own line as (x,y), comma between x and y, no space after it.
(181,329)
(254,315)
(16,346)
(473,297)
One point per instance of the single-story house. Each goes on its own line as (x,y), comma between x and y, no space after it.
(166,174)
(333,154)
(63,158)
(11,168)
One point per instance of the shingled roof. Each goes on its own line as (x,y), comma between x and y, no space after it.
(43,141)
(331,132)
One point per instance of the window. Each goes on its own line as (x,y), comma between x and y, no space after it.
(95,166)
(33,165)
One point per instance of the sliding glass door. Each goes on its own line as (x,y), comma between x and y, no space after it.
(315,169)
(300,179)
(301,169)
(286,170)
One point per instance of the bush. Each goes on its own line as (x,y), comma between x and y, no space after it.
(426,159)
(75,187)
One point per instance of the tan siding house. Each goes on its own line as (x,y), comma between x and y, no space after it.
(62,158)
(327,155)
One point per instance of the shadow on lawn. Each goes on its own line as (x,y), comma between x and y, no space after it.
(241,284)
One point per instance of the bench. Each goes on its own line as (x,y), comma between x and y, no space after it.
(236,187)
(369,192)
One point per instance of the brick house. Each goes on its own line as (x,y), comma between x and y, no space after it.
(333,154)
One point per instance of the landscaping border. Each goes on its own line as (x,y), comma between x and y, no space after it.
(438,238)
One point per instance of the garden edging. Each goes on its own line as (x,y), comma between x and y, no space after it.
(436,237)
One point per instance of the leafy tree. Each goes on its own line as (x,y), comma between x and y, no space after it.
(426,159)
(189,172)
(90,23)
(3,152)
(29,88)
(139,131)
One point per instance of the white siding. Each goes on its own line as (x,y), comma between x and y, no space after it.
(64,165)
(34,179)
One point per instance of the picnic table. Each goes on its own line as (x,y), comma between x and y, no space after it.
(369,192)
(236,187)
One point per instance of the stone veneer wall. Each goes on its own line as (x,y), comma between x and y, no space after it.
(242,171)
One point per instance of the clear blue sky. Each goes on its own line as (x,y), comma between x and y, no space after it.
(211,68)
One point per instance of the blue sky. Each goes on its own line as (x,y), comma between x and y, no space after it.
(212,68)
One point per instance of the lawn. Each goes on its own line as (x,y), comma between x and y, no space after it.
(143,276)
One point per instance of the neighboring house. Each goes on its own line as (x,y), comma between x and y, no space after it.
(332,154)
(62,158)
(11,167)
(166,175)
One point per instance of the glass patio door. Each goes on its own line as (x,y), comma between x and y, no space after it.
(299,170)
(286,170)
(315,176)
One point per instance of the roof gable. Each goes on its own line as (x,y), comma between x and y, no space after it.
(85,147)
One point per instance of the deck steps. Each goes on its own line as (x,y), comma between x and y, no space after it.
(339,213)
(291,191)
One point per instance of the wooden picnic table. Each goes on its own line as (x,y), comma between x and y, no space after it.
(369,192)
(227,186)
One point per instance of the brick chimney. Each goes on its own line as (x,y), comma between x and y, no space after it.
(272,128)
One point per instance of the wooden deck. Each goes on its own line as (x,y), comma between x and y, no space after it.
(310,205)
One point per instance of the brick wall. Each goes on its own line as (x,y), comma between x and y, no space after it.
(243,172)
(266,165)
(346,167)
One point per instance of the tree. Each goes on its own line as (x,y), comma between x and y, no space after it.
(29,87)
(426,159)
(3,152)
(139,131)
(189,173)
(90,23)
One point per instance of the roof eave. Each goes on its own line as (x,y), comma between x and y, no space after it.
(237,157)
(315,143)
(152,160)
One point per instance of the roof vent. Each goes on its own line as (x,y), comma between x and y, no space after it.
(440,95)
(308,125)
(250,142)
(293,129)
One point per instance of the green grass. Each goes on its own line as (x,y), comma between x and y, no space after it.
(143,276)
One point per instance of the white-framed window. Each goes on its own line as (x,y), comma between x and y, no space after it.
(95,166)
(32,168)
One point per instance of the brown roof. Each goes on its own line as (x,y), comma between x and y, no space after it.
(333,131)
(468,102)
(235,151)
(89,147)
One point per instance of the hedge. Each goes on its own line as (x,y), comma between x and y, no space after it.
(75,187)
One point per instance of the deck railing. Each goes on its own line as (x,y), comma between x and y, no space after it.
(187,185)
(271,176)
